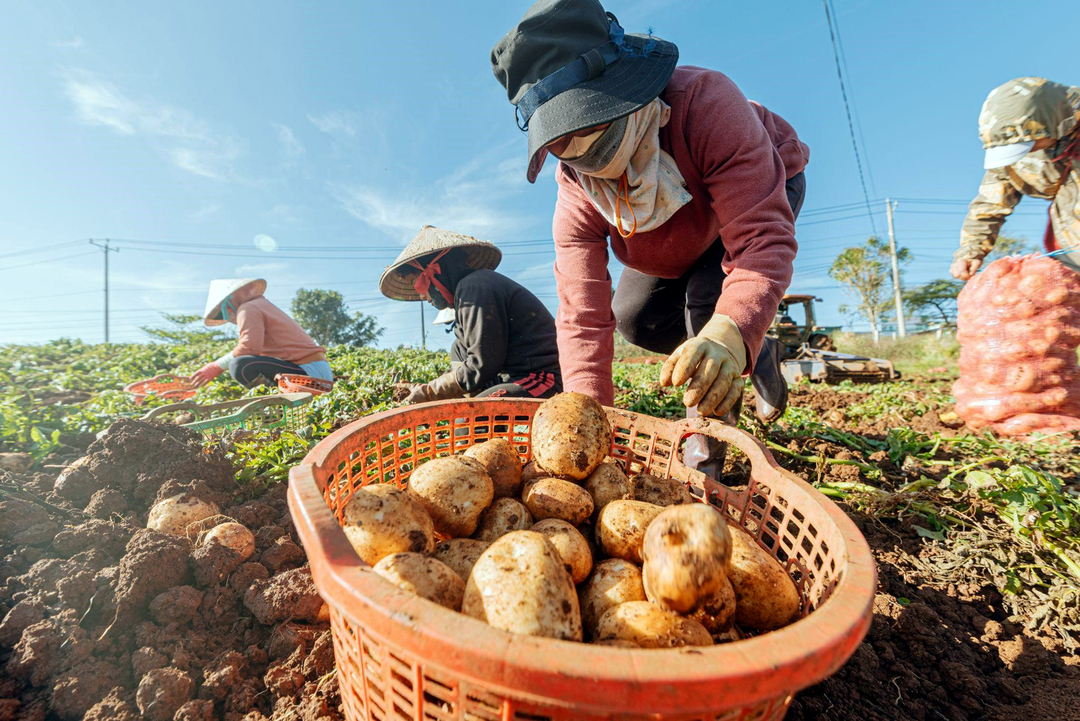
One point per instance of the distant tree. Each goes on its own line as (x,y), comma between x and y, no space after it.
(1010,245)
(186,329)
(866,273)
(324,315)
(934,302)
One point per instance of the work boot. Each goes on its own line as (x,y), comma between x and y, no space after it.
(770,388)
(705,453)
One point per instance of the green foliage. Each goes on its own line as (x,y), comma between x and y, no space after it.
(934,302)
(865,272)
(913,354)
(1010,245)
(188,330)
(324,315)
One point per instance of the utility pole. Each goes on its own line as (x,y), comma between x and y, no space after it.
(104,245)
(900,328)
(423,328)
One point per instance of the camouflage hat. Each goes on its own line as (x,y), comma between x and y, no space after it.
(1028,109)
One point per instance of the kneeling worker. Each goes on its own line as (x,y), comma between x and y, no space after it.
(504,337)
(270,341)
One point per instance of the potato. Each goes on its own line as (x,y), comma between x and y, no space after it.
(686,554)
(502,463)
(570,435)
(717,612)
(380,519)
(233,535)
(501,517)
(612,582)
(620,528)
(531,471)
(424,576)
(521,585)
(765,596)
(660,491)
(608,483)
(650,626)
(571,545)
(454,492)
(460,554)
(174,515)
(553,498)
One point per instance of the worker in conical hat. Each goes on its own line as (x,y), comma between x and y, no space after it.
(1030,128)
(270,341)
(504,337)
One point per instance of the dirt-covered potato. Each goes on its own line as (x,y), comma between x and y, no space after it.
(765,596)
(718,610)
(571,545)
(608,483)
(454,492)
(554,498)
(381,519)
(176,514)
(521,585)
(686,553)
(660,491)
(612,582)
(501,517)
(620,528)
(502,464)
(424,576)
(650,626)
(232,535)
(460,554)
(570,435)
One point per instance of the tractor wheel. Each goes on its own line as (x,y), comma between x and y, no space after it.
(820,341)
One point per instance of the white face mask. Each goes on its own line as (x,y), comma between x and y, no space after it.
(580,145)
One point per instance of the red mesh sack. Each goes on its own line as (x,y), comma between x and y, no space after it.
(1018,324)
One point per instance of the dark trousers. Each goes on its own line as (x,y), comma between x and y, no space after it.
(259,370)
(660,313)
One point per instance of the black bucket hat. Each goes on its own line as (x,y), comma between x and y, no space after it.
(568,66)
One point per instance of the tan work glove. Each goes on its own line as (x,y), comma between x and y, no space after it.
(964,268)
(442,388)
(713,362)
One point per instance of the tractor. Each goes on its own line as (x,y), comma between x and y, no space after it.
(809,351)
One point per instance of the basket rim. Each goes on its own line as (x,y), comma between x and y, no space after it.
(755,669)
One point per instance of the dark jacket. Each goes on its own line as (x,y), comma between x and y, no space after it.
(502,332)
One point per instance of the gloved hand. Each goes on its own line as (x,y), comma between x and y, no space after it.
(713,362)
(964,268)
(442,388)
(207,373)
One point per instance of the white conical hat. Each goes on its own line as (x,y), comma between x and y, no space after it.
(478,254)
(221,289)
(446,315)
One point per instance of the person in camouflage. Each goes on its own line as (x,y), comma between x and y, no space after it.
(1029,127)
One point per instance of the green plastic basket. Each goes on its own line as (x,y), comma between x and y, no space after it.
(283,410)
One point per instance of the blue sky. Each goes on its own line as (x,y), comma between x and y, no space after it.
(338,129)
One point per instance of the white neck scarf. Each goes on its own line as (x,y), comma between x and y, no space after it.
(654,187)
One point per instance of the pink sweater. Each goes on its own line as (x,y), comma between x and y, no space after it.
(735,157)
(266,330)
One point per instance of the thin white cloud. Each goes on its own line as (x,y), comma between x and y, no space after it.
(75,43)
(248,270)
(337,122)
(471,199)
(188,142)
(207,211)
(292,147)
(282,214)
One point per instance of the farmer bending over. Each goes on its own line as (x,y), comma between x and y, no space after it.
(695,187)
(504,337)
(1029,127)
(270,341)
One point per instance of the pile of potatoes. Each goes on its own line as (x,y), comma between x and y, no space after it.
(568,547)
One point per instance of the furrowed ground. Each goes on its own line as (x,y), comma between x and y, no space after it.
(977,542)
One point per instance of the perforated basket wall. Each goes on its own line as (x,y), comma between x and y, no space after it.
(303,384)
(167,385)
(402,657)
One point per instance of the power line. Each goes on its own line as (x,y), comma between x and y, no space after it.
(41,249)
(49,260)
(847,107)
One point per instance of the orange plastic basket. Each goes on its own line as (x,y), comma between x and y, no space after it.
(166,385)
(288,383)
(402,657)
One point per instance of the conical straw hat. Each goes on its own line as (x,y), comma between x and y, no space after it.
(221,289)
(445,316)
(480,254)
